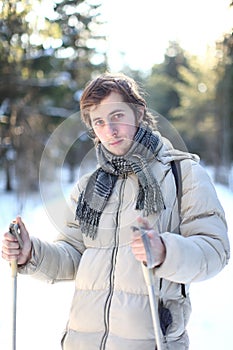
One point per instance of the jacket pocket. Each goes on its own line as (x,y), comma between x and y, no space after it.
(165,317)
(180,312)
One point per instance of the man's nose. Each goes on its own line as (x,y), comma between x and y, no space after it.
(111,129)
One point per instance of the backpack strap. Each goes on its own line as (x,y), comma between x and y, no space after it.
(176,170)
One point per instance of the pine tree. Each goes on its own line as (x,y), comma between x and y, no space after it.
(44,64)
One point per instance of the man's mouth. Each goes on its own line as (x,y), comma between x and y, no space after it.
(115,142)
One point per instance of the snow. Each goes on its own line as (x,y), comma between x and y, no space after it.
(42,308)
(210,326)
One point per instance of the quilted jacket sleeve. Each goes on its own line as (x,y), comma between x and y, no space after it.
(59,260)
(202,249)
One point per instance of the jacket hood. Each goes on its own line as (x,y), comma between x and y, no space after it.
(168,153)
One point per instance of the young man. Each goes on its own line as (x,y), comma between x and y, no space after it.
(134,185)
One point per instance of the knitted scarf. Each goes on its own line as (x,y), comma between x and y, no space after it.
(94,198)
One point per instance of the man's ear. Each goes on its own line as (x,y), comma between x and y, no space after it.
(140,114)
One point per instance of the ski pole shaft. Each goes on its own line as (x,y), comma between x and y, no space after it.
(150,282)
(149,278)
(14,230)
(14,301)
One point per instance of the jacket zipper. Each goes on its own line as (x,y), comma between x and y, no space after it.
(112,272)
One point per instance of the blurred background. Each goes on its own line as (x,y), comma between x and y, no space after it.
(181,54)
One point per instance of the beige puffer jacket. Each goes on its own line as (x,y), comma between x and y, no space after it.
(110,308)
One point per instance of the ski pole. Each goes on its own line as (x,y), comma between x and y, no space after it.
(150,282)
(14,230)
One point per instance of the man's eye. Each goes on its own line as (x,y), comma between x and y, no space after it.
(118,116)
(99,122)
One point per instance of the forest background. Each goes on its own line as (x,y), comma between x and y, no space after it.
(46,60)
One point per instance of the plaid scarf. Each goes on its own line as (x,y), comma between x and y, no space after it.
(94,198)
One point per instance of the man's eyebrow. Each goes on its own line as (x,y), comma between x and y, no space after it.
(109,115)
(96,118)
(116,111)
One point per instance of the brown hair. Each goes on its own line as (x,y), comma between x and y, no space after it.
(101,87)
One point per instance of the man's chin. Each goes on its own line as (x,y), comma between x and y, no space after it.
(118,148)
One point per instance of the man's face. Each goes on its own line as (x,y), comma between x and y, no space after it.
(114,124)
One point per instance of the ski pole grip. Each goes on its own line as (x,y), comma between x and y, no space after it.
(147,246)
(14,230)
(14,269)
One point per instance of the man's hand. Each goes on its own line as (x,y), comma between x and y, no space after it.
(158,249)
(10,246)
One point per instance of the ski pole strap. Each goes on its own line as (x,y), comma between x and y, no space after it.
(147,245)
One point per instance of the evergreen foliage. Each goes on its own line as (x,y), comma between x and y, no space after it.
(45,60)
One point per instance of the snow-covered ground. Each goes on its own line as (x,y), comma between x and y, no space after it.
(42,309)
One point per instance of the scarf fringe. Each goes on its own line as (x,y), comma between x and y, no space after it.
(150,200)
(88,218)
